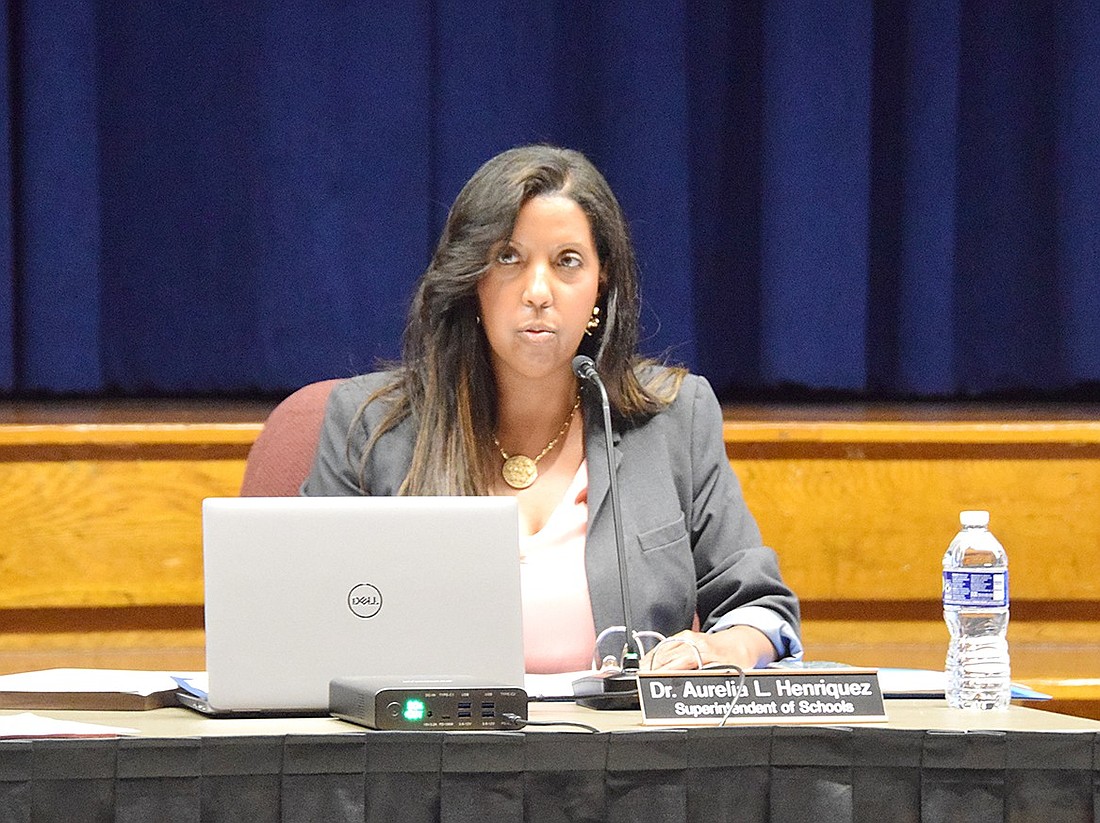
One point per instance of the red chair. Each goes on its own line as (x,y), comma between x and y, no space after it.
(280,458)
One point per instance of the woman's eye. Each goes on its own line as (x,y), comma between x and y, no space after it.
(507,256)
(571,260)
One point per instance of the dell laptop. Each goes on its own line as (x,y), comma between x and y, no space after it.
(303,590)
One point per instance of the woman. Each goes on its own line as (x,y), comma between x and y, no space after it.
(535,265)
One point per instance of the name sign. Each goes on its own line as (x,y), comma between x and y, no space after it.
(767,696)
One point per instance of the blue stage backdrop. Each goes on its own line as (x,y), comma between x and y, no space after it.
(889,198)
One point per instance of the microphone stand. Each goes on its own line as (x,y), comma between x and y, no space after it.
(616,689)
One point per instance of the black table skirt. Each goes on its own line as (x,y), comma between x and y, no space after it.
(770,774)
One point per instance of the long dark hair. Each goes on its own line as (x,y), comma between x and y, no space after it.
(445,379)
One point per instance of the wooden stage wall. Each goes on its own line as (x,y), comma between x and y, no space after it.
(100,539)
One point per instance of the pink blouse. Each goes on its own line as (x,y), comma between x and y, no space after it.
(558,632)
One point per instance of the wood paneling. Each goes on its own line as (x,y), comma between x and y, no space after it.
(107,532)
(100,528)
(861,527)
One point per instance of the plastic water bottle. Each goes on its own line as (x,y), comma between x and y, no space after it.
(975,607)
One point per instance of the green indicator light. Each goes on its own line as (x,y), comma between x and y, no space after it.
(414,710)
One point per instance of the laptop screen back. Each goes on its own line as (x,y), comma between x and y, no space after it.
(302,590)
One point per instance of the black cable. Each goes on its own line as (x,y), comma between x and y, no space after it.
(520,723)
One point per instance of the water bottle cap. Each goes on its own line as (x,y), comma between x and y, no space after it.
(974,518)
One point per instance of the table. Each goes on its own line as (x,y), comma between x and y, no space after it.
(928,762)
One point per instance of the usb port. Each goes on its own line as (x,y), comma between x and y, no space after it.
(464,713)
(488,713)
(488,705)
(465,704)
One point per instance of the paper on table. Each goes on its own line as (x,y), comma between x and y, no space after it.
(106,689)
(894,682)
(931,683)
(123,681)
(900,682)
(910,682)
(552,686)
(28,725)
(196,683)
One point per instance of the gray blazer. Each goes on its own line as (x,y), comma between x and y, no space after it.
(692,546)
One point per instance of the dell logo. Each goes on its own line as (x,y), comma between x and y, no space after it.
(365,600)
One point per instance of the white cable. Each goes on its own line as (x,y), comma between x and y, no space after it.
(609,662)
(687,641)
(737,693)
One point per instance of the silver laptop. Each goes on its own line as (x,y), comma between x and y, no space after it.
(302,590)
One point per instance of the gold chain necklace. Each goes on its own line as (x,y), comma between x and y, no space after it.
(519,470)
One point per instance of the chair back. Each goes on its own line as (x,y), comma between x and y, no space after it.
(281,456)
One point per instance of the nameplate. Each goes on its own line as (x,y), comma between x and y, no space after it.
(767,696)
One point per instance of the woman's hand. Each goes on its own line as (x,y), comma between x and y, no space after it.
(741,646)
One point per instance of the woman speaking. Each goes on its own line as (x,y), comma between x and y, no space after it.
(535,266)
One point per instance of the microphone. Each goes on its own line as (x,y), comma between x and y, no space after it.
(585,368)
(617,690)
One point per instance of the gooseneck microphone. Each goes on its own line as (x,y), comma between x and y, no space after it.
(618,690)
(585,368)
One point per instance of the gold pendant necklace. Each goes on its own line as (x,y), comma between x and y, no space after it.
(519,470)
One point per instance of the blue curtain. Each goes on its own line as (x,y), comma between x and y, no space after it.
(888,198)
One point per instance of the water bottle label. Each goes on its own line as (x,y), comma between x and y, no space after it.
(975,588)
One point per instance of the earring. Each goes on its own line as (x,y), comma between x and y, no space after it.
(593,322)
